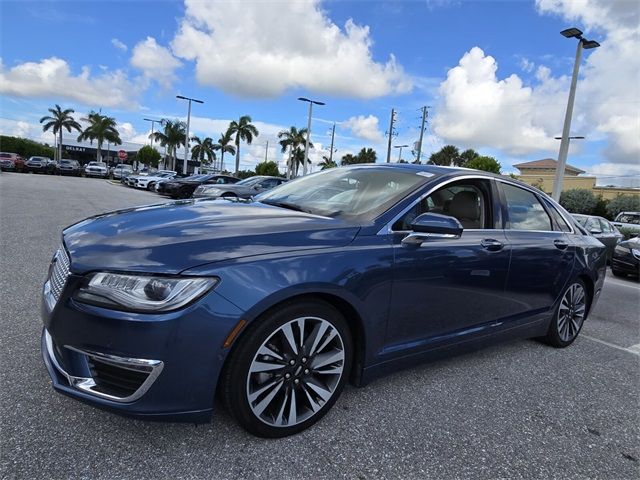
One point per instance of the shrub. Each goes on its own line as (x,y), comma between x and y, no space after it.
(579,200)
(623,203)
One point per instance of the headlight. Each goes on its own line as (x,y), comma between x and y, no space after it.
(142,293)
(211,191)
(636,253)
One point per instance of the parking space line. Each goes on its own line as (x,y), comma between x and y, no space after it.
(634,349)
(621,284)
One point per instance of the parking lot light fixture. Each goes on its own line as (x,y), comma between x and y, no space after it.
(564,144)
(186,140)
(306,148)
(400,147)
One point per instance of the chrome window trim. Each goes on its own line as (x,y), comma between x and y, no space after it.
(87,384)
(387,230)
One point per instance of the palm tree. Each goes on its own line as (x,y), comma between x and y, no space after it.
(244,130)
(292,140)
(447,156)
(172,136)
(202,148)
(225,145)
(101,128)
(58,120)
(326,163)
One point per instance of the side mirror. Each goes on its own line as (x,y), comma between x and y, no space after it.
(433,225)
(595,231)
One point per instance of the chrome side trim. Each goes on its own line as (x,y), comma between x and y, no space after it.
(386,230)
(88,385)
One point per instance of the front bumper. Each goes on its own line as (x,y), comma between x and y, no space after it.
(177,356)
(626,263)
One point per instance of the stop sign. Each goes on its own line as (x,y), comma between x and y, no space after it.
(122,155)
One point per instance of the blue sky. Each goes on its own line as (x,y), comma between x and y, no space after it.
(494,72)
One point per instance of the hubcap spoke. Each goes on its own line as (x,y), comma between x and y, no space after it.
(295,372)
(571,312)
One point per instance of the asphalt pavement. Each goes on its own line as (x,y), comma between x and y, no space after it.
(519,410)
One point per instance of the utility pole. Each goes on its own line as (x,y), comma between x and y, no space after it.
(333,134)
(306,147)
(390,133)
(186,140)
(425,113)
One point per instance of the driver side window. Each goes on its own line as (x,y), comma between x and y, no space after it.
(467,201)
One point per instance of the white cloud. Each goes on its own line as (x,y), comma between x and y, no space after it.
(609,93)
(155,61)
(52,78)
(118,44)
(527,65)
(256,49)
(479,108)
(366,128)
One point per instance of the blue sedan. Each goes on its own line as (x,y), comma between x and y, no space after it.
(275,303)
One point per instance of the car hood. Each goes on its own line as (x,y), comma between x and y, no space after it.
(174,236)
(631,243)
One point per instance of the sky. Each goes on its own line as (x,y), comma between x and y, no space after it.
(494,74)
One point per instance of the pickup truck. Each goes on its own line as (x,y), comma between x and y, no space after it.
(628,221)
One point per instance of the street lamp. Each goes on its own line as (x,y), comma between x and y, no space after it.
(400,147)
(153,122)
(186,143)
(306,148)
(564,144)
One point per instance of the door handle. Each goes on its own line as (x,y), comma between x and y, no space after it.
(561,244)
(492,244)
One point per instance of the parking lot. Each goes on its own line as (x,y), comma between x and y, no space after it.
(520,410)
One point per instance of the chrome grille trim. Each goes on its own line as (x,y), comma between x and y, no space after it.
(59,273)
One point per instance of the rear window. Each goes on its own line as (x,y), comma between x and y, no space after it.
(524,210)
(628,218)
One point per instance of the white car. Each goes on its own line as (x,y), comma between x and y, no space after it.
(121,170)
(96,169)
(629,221)
(148,181)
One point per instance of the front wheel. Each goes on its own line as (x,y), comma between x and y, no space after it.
(569,316)
(288,369)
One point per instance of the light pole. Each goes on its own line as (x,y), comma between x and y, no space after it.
(306,148)
(400,147)
(564,144)
(186,140)
(153,122)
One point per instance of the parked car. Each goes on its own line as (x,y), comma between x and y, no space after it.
(602,229)
(96,169)
(276,303)
(626,258)
(37,164)
(69,167)
(149,181)
(121,170)
(246,188)
(184,187)
(629,221)
(11,162)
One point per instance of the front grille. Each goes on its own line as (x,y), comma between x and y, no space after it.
(116,380)
(59,273)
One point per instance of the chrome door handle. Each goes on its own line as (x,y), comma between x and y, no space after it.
(561,244)
(492,244)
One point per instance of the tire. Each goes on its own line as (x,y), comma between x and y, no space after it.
(569,315)
(183,193)
(150,186)
(297,396)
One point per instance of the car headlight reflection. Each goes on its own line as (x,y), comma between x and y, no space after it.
(142,293)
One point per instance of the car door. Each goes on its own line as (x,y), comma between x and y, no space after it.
(542,254)
(449,286)
(609,236)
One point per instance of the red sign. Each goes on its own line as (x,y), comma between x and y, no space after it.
(122,155)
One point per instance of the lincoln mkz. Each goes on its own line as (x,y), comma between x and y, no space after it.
(275,303)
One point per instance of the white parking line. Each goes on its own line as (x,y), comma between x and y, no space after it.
(634,349)
(621,284)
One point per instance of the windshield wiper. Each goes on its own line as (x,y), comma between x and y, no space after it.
(290,206)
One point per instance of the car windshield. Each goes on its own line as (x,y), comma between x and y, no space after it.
(249,181)
(5,155)
(356,194)
(581,219)
(193,178)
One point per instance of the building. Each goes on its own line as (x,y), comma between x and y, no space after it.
(541,174)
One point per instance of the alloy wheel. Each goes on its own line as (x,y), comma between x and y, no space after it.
(295,371)
(571,312)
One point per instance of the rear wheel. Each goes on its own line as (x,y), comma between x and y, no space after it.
(569,316)
(288,369)
(150,186)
